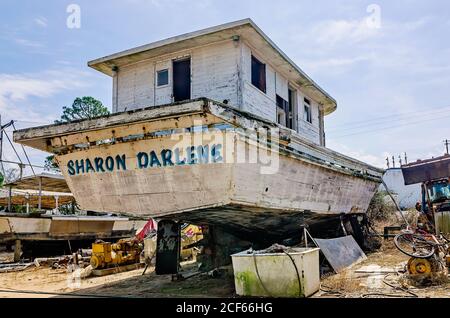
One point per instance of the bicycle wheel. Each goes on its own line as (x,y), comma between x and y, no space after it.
(414,245)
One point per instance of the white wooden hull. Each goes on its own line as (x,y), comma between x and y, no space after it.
(245,183)
(160,191)
(232,194)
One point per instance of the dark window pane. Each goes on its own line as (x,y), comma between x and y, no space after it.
(258,74)
(163,77)
(307,113)
(280,102)
(181,80)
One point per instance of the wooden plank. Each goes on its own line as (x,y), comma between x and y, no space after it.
(119,119)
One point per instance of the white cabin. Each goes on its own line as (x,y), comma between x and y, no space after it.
(234,63)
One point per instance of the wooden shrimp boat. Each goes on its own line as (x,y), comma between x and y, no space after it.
(204,162)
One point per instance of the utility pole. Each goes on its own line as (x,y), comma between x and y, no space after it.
(447,143)
(2,128)
(1,150)
(1,139)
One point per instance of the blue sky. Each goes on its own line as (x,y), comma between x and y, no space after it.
(391,81)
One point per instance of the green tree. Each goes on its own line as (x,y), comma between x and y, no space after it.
(86,107)
(50,164)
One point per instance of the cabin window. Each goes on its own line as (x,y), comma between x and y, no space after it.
(307,110)
(258,74)
(281,117)
(162,77)
(291,111)
(181,80)
(282,109)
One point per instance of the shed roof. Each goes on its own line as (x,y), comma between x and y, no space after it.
(48,181)
(245,28)
(48,202)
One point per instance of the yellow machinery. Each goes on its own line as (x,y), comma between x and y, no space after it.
(190,234)
(125,251)
(128,250)
(421,266)
(427,266)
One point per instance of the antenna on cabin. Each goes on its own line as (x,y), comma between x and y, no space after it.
(400,160)
(406,159)
(387,162)
(447,143)
(393,162)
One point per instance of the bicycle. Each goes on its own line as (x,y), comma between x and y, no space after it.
(421,244)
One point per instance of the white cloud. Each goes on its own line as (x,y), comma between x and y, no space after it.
(17,89)
(29,43)
(24,97)
(172,3)
(41,21)
(332,32)
(347,32)
(361,154)
(335,63)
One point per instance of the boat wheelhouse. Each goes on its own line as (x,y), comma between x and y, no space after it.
(215,127)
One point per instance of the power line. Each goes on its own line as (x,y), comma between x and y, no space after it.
(381,129)
(20,163)
(382,120)
(25,153)
(381,125)
(14,148)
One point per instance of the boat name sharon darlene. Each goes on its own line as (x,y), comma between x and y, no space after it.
(202,154)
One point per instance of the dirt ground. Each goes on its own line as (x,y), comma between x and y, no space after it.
(381,275)
(379,279)
(43,282)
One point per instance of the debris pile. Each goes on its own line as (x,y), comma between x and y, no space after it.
(275,248)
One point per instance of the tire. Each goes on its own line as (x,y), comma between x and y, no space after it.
(414,245)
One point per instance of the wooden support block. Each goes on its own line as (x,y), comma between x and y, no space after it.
(17,251)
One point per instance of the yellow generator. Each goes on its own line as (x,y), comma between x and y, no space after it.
(190,234)
(125,251)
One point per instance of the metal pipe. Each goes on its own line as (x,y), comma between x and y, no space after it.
(40,194)
(395,202)
(10,199)
(19,163)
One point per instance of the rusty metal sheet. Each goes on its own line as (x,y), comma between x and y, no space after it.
(341,252)
(426,170)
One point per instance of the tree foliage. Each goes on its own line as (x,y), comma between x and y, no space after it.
(50,164)
(85,107)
